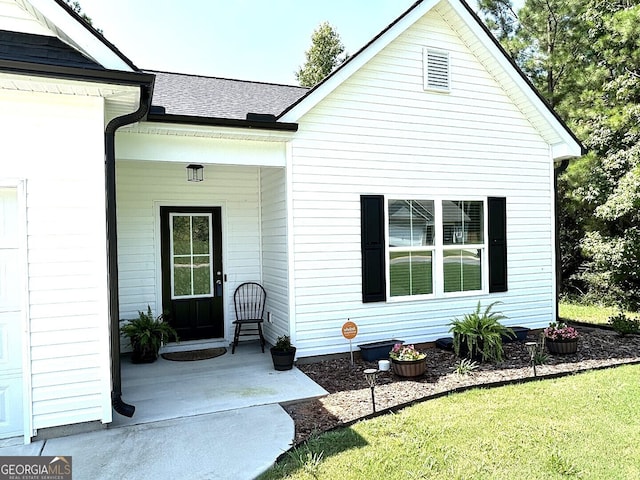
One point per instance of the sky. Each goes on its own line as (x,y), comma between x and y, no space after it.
(260,40)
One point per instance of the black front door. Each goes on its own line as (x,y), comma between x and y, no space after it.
(191,249)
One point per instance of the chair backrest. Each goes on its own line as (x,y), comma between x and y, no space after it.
(249,299)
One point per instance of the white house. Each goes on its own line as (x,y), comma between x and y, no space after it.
(415,181)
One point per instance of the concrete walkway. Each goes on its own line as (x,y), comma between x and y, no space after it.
(236,444)
(186,428)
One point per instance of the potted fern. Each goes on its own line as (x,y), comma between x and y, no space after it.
(146,335)
(478,335)
(283,353)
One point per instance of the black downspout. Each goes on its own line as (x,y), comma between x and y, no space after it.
(112,246)
(557,172)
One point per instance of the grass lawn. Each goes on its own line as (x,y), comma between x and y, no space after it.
(587,313)
(584,426)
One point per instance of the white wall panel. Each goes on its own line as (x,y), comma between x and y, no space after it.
(381,133)
(56,143)
(144,185)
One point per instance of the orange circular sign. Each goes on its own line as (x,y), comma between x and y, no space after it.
(349,330)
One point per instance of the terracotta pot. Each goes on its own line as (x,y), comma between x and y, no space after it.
(561,347)
(409,368)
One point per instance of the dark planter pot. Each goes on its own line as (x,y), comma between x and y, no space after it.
(465,353)
(144,354)
(409,368)
(283,359)
(561,347)
(370,352)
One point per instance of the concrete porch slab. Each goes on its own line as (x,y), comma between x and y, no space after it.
(167,389)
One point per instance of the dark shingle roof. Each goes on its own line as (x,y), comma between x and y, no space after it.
(198,96)
(41,49)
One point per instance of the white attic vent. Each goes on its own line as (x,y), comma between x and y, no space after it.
(436,70)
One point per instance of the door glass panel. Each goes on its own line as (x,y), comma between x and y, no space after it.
(200,235)
(181,276)
(181,235)
(191,255)
(201,275)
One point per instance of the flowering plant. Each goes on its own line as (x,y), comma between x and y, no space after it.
(405,352)
(560,331)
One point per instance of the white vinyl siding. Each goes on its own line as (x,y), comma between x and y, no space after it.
(14,18)
(274,251)
(381,133)
(142,186)
(66,238)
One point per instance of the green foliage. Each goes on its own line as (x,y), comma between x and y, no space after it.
(540,357)
(465,367)
(624,325)
(482,334)
(77,8)
(147,332)
(324,55)
(561,428)
(283,343)
(584,58)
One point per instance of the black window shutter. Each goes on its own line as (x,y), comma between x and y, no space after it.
(497,244)
(373,247)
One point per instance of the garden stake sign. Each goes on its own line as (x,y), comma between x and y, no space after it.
(349,331)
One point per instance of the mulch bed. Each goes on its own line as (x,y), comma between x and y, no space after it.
(349,396)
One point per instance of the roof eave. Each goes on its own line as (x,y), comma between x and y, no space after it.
(221,122)
(117,77)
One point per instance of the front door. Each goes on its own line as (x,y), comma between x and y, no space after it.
(191,247)
(11,408)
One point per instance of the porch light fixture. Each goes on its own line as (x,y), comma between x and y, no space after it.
(195,173)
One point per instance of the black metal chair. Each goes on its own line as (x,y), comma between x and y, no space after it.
(249,299)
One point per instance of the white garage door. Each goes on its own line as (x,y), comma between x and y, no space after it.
(11,408)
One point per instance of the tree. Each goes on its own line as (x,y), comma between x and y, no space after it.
(583,56)
(324,55)
(75,6)
(610,115)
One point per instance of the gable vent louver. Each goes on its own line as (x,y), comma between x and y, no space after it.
(436,70)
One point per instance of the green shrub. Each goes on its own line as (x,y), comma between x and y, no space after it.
(624,325)
(481,333)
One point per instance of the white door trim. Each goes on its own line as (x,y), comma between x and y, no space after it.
(21,192)
(157,240)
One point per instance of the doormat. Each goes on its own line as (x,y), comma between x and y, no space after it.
(192,355)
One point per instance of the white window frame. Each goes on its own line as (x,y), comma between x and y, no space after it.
(438,249)
(172,215)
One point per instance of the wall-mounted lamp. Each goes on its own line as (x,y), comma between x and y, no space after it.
(195,173)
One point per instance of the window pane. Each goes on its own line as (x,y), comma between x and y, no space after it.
(181,276)
(462,270)
(411,223)
(181,235)
(200,227)
(411,273)
(462,222)
(201,275)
